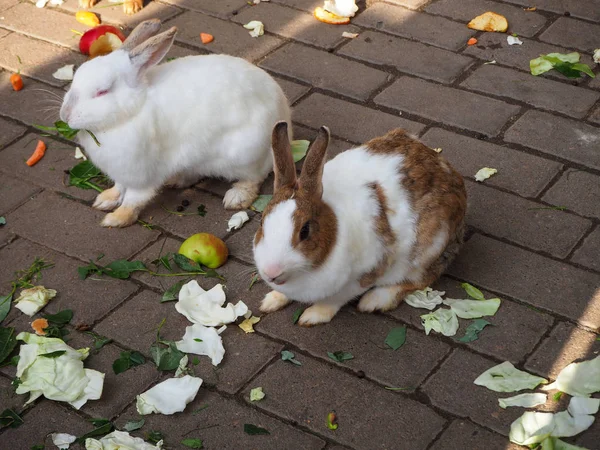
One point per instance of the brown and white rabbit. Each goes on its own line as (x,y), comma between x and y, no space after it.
(129,6)
(382,220)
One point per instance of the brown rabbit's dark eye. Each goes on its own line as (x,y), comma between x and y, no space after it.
(305,231)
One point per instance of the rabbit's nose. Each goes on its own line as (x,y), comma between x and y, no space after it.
(272,272)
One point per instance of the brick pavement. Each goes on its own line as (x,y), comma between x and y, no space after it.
(409,67)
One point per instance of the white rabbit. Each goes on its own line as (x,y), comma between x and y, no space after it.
(382,220)
(174,123)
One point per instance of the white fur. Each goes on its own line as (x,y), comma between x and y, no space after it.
(358,248)
(192,117)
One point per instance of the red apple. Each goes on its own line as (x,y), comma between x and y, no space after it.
(90,36)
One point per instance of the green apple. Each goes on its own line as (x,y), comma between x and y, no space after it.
(206,249)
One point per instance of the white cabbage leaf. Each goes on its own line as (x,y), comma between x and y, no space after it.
(168,397)
(256,27)
(443,321)
(473,309)
(523,400)
(205,307)
(484,173)
(62,440)
(33,299)
(553,443)
(120,440)
(237,221)
(202,340)
(342,8)
(583,405)
(426,298)
(579,379)
(531,428)
(506,378)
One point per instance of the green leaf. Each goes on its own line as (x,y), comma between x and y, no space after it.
(154,436)
(133,425)
(584,68)
(122,268)
(103,428)
(289,356)
(297,315)
(166,358)
(332,421)
(55,354)
(396,337)
(8,342)
(473,330)
(202,408)
(253,430)
(127,360)
(5,302)
(340,356)
(261,202)
(472,291)
(38,447)
(99,341)
(61,318)
(192,443)
(9,418)
(399,388)
(201,210)
(99,422)
(299,149)
(172,293)
(186,263)
(195,360)
(164,261)
(557,396)
(253,281)
(2,220)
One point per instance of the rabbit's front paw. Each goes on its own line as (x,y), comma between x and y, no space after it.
(108,199)
(241,195)
(86,3)
(132,6)
(317,314)
(379,299)
(273,301)
(122,217)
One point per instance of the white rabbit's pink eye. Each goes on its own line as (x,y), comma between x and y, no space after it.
(101,93)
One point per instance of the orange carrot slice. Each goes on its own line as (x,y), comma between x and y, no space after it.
(39,325)
(87,18)
(38,154)
(472,41)
(206,38)
(16,81)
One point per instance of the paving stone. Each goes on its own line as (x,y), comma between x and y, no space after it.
(524,24)
(46,24)
(568,139)
(595,116)
(411,4)
(462,434)
(6,235)
(9,132)
(523,222)
(448,105)
(5,4)
(340,116)
(336,146)
(516,329)
(333,73)
(577,190)
(304,5)
(590,437)
(115,15)
(8,398)
(549,284)
(363,335)
(240,242)
(575,33)
(177,51)
(28,104)
(463,398)
(587,254)
(14,192)
(222,426)
(370,417)
(540,92)
(230,38)
(219,8)
(294,24)
(565,344)
(519,172)
(407,56)
(577,8)
(66,228)
(293,91)
(89,299)
(48,417)
(421,27)
(493,47)
(50,171)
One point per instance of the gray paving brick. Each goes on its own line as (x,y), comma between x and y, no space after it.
(411,4)
(240,243)
(219,8)
(525,24)
(66,226)
(8,398)
(90,300)
(568,139)
(9,131)
(293,91)
(462,434)
(26,105)
(221,426)
(577,190)
(539,92)
(421,27)
(336,146)
(14,192)
(230,38)
(519,172)
(294,24)
(304,5)
(575,33)
(6,4)
(590,437)
(50,171)
(6,235)
(521,221)
(587,254)
(516,329)
(407,56)
(595,116)
(564,345)
(340,116)
(369,417)
(333,73)
(451,106)
(363,335)
(549,284)
(463,398)
(586,10)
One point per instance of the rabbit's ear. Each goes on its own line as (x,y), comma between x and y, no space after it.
(284,168)
(143,31)
(150,52)
(311,177)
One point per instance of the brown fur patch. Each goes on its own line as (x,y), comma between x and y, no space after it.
(437,195)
